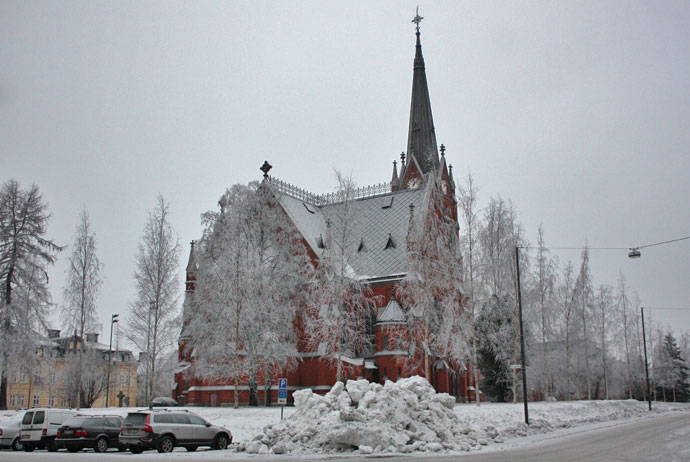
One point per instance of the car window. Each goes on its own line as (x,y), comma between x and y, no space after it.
(180,419)
(96,422)
(112,422)
(39,417)
(75,421)
(194,420)
(163,418)
(135,420)
(28,417)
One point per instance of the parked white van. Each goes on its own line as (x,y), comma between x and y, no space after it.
(40,426)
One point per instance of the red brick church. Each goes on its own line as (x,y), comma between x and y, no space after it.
(383,217)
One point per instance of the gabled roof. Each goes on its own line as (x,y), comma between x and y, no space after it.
(373,221)
(391,313)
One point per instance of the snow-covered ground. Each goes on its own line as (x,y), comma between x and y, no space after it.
(402,417)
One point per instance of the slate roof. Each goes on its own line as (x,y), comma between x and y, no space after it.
(375,221)
(391,313)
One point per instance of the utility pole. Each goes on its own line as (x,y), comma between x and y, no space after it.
(646,363)
(522,336)
(113,320)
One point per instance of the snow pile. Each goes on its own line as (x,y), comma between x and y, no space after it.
(401,417)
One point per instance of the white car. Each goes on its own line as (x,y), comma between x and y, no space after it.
(39,427)
(9,434)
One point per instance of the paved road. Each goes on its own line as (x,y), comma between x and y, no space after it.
(665,438)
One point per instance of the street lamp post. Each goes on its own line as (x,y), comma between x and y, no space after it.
(113,320)
(646,363)
(148,353)
(522,336)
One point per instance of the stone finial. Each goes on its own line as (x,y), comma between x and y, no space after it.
(443,150)
(402,160)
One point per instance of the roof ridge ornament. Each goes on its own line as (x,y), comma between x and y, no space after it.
(417,19)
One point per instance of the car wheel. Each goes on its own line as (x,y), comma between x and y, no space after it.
(28,448)
(136,449)
(221,441)
(17,444)
(52,445)
(101,444)
(166,444)
(191,448)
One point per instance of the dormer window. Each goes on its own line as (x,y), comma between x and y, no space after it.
(320,244)
(362,247)
(390,244)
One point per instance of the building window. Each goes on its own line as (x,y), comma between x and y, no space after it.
(128,380)
(20,403)
(52,378)
(13,400)
(51,403)
(36,400)
(398,343)
(385,342)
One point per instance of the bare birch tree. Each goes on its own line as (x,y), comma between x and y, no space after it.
(80,294)
(253,274)
(153,319)
(467,200)
(341,306)
(431,290)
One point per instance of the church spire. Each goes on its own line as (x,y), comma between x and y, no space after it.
(421,137)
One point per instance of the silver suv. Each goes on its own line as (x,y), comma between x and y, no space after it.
(165,429)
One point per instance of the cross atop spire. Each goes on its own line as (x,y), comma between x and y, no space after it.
(417,19)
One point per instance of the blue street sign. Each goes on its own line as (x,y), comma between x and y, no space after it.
(282,391)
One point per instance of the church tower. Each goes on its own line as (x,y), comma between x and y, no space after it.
(422,149)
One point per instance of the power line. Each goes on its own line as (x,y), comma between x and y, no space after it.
(574,248)
(664,308)
(659,243)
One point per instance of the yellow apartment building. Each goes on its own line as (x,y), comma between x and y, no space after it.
(51,382)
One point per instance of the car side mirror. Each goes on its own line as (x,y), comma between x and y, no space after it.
(208,424)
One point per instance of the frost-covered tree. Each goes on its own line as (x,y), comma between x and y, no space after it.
(604,306)
(467,201)
(253,272)
(431,291)
(340,310)
(625,315)
(80,293)
(153,320)
(25,253)
(671,371)
(84,375)
(545,287)
(496,328)
(500,234)
(584,287)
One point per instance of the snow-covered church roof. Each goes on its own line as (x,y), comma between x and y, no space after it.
(391,313)
(378,232)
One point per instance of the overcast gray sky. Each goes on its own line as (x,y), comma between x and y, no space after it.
(576,111)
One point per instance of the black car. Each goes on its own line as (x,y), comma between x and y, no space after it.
(97,432)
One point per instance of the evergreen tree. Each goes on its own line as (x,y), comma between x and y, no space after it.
(673,371)
(24,255)
(495,329)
